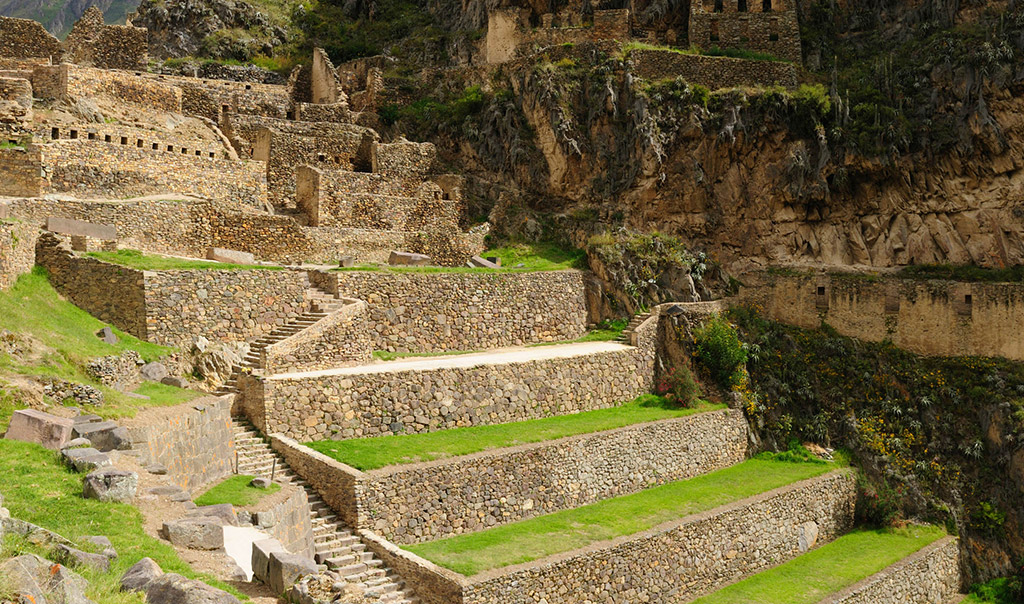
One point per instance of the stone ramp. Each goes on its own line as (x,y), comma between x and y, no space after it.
(336,546)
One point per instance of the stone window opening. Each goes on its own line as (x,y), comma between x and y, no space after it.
(92,136)
(170,148)
(773,31)
(714,31)
(741,6)
(821,290)
(184,151)
(211,154)
(139,143)
(968,299)
(290,115)
(55,133)
(73,134)
(766,6)
(156,146)
(719,6)
(106,138)
(321,157)
(248,86)
(124,140)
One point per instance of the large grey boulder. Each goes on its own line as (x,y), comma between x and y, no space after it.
(216,362)
(230,256)
(110,485)
(479,262)
(77,558)
(408,259)
(261,551)
(153,372)
(33,579)
(171,588)
(105,436)
(140,574)
(195,532)
(30,425)
(107,335)
(173,380)
(85,460)
(285,569)
(223,511)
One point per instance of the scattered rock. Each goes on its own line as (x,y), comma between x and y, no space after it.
(110,485)
(77,443)
(223,511)
(346,261)
(30,425)
(326,587)
(477,261)
(34,579)
(107,335)
(76,558)
(408,259)
(171,588)
(140,574)
(153,372)
(229,256)
(260,483)
(157,469)
(105,436)
(261,551)
(285,569)
(62,390)
(195,532)
(85,460)
(181,497)
(173,380)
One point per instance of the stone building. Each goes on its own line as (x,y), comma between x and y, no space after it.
(767,26)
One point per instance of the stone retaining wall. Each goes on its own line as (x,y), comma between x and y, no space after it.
(230,305)
(411,503)
(22,38)
(335,482)
(683,559)
(17,251)
(111,293)
(194,441)
(927,317)
(353,405)
(713,72)
(929,575)
(429,312)
(87,82)
(86,167)
(338,339)
(21,171)
(285,517)
(140,138)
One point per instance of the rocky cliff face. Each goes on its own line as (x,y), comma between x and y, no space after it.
(224,29)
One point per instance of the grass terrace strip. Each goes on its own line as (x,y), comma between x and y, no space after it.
(236,491)
(572,529)
(534,257)
(829,569)
(145,262)
(372,453)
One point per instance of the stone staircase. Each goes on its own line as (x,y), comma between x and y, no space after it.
(321,304)
(627,335)
(336,545)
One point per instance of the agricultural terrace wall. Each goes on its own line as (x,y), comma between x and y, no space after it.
(673,562)
(24,38)
(340,338)
(404,158)
(285,517)
(283,152)
(17,251)
(713,72)
(194,441)
(327,197)
(49,81)
(21,171)
(431,312)
(412,503)
(929,575)
(348,404)
(113,294)
(228,305)
(104,170)
(509,33)
(122,86)
(944,318)
(769,26)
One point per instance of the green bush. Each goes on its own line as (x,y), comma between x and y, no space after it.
(678,387)
(877,505)
(719,350)
(989,519)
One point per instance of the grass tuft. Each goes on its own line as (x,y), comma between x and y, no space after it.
(146,262)
(236,491)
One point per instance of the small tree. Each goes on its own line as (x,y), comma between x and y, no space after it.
(720,351)
(678,386)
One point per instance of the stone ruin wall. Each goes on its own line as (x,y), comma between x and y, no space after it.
(95,168)
(415,312)
(140,138)
(413,503)
(285,517)
(341,338)
(92,43)
(375,404)
(929,575)
(15,103)
(23,38)
(21,171)
(221,305)
(713,72)
(509,34)
(88,82)
(194,441)
(926,317)
(767,26)
(17,251)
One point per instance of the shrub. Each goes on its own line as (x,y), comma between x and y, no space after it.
(988,519)
(720,351)
(877,506)
(679,387)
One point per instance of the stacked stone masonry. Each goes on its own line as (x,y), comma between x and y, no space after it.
(21,171)
(425,501)
(927,317)
(21,38)
(767,26)
(929,575)
(15,102)
(93,43)
(17,251)
(140,138)
(88,82)
(674,562)
(352,405)
(285,517)
(713,72)
(338,339)
(194,441)
(416,312)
